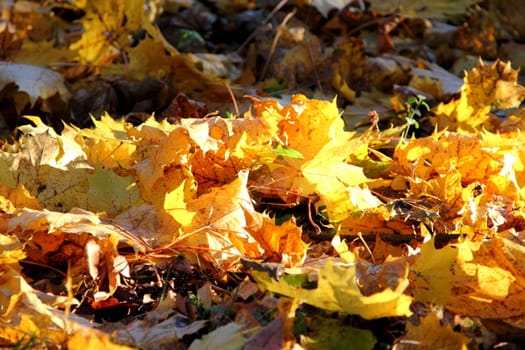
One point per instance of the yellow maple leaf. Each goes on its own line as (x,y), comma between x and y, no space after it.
(10,251)
(314,129)
(52,167)
(484,88)
(442,152)
(108,26)
(431,334)
(108,144)
(488,279)
(432,274)
(10,199)
(281,242)
(337,290)
(93,339)
(149,58)
(220,220)
(166,167)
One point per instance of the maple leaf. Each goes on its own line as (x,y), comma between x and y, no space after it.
(111,193)
(52,167)
(315,129)
(108,144)
(488,279)
(337,290)
(37,82)
(431,334)
(433,274)
(108,25)
(43,53)
(284,241)
(225,221)
(10,251)
(484,88)
(19,197)
(149,58)
(225,148)
(166,168)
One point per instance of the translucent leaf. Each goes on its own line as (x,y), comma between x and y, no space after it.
(338,290)
(37,82)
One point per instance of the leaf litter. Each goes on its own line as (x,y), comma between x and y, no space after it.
(298,223)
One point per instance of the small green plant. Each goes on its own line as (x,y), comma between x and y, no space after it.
(189,37)
(413,108)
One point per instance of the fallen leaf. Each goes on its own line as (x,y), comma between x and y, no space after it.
(338,290)
(431,334)
(225,337)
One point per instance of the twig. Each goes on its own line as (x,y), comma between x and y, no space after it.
(254,33)
(274,43)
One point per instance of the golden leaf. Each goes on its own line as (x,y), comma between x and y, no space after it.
(431,334)
(484,88)
(338,290)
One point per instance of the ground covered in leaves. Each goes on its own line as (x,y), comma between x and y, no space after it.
(261,175)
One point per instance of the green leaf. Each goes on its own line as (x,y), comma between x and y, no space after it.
(334,334)
(287,152)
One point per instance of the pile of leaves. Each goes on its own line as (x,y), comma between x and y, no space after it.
(275,228)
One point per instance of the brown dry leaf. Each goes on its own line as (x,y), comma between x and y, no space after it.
(484,88)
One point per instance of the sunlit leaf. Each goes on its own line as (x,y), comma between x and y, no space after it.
(337,290)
